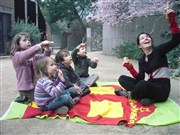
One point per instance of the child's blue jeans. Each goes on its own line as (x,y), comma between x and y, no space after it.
(63,100)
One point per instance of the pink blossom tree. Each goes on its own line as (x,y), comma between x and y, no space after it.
(116,12)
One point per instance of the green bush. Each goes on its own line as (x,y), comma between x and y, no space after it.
(127,49)
(174,58)
(174,61)
(32,29)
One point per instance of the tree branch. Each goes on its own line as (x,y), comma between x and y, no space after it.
(154,23)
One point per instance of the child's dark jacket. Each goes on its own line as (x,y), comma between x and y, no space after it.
(69,75)
(82,64)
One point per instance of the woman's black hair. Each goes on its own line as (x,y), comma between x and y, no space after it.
(137,40)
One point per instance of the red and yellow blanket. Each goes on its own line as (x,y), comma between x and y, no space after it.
(101,106)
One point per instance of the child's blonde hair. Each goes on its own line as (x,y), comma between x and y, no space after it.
(41,67)
(15,45)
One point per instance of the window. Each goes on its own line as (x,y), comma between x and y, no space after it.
(5,25)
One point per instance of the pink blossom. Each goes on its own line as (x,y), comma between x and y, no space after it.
(115,12)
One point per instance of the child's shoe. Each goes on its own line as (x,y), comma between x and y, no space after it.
(76,100)
(94,85)
(21,99)
(62,110)
(85,92)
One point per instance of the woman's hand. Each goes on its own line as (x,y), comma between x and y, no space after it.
(168,12)
(126,60)
(127,63)
(173,23)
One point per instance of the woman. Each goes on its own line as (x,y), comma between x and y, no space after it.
(154,63)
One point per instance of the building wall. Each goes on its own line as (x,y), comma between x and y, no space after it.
(6,21)
(7,6)
(113,36)
(7,3)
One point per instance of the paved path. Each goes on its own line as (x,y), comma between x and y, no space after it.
(109,69)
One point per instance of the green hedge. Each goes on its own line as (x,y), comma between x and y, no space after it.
(127,49)
(31,28)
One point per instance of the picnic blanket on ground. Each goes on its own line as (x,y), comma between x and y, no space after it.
(103,107)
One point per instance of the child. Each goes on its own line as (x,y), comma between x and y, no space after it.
(82,64)
(74,85)
(50,95)
(23,56)
(154,63)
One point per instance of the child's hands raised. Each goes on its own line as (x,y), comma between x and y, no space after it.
(81,45)
(45,44)
(60,75)
(95,59)
(78,89)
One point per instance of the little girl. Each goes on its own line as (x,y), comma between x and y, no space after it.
(23,56)
(49,92)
